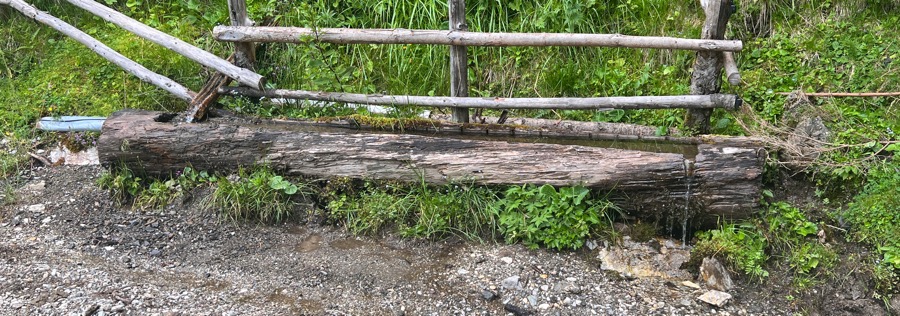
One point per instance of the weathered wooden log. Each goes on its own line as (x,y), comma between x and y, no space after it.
(436,37)
(244,53)
(723,178)
(104,51)
(726,101)
(208,95)
(244,76)
(459,60)
(731,69)
(707,75)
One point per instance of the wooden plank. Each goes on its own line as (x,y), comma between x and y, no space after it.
(244,76)
(724,181)
(706,78)
(459,61)
(731,69)
(104,51)
(244,53)
(440,37)
(726,101)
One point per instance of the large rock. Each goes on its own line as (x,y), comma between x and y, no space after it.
(715,276)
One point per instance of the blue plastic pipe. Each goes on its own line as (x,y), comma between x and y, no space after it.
(71,123)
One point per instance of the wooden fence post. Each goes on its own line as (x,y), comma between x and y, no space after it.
(459,71)
(244,53)
(707,76)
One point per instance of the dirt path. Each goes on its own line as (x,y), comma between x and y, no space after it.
(65,249)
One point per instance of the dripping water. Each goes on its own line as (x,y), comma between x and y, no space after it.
(689,179)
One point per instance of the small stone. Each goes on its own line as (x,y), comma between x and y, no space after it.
(109,248)
(545,288)
(488,295)
(46,220)
(544,276)
(691,285)
(155,253)
(532,300)
(511,283)
(544,306)
(507,260)
(591,244)
(685,302)
(36,208)
(515,310)
(91,310)
(462,271)
(715,275)
(716,298)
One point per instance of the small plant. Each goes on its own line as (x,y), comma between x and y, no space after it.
(121,183)
(542,215)
(260,196)
(742,247)
(78,141)
(419,211)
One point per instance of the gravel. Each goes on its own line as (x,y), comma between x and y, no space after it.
(66,249)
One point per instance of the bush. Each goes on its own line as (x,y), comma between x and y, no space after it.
(544,216)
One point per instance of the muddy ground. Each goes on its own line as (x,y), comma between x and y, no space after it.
(67,249)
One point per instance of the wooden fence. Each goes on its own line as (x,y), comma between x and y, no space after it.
(714,54)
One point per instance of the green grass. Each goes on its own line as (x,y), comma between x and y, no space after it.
(256,195)
(418,210)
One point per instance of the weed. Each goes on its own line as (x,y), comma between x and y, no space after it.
(742,247)
(542,215)
(874,217)
(419,211)
(121,183)
(260,195)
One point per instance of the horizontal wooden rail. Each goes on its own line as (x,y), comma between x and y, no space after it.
(727,101)
(198,55)
(846,94)
(463,38)
(104,51)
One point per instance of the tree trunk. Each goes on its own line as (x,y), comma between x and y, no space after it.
(721,180)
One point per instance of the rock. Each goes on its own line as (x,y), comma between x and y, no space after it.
(715,275)
(35,187)
(91,310)
(488,295)
(515,310)
(715,298)
(591,244)
(507,260)
(511,283)
(155,253)
(544,306)
(36,208)
(567,287)
(462,271)
(532,300)
(691,285)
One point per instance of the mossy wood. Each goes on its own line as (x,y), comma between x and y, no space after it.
(723,180)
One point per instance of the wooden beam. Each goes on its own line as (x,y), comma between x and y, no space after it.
(104,51)
(722,178)
(726,101)
(244,53)
(438,37)
(244,76)
(731,69)
(707,75)
(207,96)
(459,60)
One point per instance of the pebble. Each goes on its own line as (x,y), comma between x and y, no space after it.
(532,300)
(507,260)
(155,253)
(544,306)
(37,208)
(511,283)
(462,271)
(488,295)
